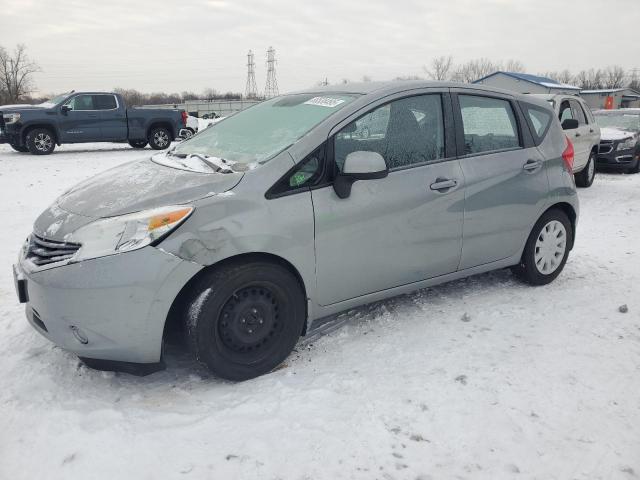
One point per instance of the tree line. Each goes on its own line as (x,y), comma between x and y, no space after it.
(444,68)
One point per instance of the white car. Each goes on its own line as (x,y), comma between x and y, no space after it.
(191,127)
(581,128)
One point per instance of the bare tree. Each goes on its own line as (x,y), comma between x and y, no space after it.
(514,66)
(474,69)
(590,79)
(16,73)
(440,68)
(209,94)
(634,81)
(614,77)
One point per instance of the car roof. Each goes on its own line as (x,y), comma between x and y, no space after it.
(397,86)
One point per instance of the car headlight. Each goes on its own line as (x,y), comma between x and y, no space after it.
(10,118)
(627,144)
(109,236)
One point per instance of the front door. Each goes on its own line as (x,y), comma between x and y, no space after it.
(506,184)
(400,229)
(81,123)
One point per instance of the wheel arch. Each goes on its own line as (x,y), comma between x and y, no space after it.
(31,126)
(174,323)
(568,209)
(161,123)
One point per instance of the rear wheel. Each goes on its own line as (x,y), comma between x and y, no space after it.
(547,249)
(244,320)
(40,141)
(585,177)
(138,143)
(159,138)
(19,148)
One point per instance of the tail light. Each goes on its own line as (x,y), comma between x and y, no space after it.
(184,118)
(568,155)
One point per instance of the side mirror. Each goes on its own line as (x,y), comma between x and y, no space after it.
(359,165)
(66,109)
(570,124)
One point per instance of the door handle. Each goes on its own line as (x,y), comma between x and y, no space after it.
(93,115)
(578,134)
(532,165)
(591,130)
(443,184)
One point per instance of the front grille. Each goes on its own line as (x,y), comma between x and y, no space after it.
(43,252)
(606,146)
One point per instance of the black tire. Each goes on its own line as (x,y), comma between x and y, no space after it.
(19,148)
(585,177)
(40,141)
(159,138)
(138,143)
(245,319)
(191,133)
(527,270)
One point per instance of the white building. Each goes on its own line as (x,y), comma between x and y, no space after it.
(526,83)
(609,98)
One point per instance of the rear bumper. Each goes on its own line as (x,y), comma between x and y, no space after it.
(109,311)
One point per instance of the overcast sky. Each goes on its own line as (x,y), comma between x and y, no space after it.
(173,46)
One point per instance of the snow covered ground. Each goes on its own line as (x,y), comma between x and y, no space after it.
(483,378)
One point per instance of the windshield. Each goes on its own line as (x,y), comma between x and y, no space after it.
(56,100)
(260,132)
(625,121)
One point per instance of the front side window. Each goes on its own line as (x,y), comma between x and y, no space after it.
(104,102)
(81,102)
(489,124)
(262,131)
(405,132)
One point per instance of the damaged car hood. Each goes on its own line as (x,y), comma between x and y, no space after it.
(129,188)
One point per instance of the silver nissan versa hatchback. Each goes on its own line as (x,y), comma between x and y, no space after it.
(286,212)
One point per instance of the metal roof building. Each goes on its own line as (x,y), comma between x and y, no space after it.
(526,83)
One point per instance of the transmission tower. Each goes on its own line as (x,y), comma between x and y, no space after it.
(251,91)
(271,90)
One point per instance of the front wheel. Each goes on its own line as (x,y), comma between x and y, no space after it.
(244,319)
(138,143)
(547,249)
(40,141)
(585,177)
(159,138)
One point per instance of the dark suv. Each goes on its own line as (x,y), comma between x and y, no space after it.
(619,139)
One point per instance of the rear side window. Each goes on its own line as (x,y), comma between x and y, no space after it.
(489,124)
(539,119)
(104,102)
(578,113)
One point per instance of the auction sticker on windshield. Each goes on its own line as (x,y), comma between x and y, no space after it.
(324,102)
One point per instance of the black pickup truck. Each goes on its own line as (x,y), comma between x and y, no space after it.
(80,117)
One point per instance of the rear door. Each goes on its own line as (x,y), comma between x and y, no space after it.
(82,122)
(399,229)
(113,120)
(505,177)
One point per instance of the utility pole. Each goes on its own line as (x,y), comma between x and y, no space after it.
(251,91)
(271,89)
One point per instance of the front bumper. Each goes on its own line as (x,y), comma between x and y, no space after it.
(110,310)
(618,159)
(9,134)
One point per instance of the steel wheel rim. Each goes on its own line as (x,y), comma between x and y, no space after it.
(250,320)
(550,248)
(43,142)
(161,138)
